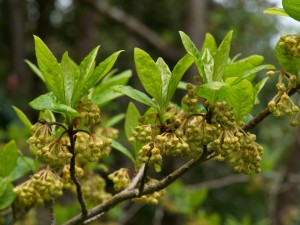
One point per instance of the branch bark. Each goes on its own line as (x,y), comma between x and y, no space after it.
(129,194)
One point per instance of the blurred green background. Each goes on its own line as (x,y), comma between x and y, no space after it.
(211,194)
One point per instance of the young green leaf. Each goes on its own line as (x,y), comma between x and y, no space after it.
(106,84)
(35,69)
(136,95)
(85,69)
(50,102)
(276,11)
(245,74)
(113,120)
(8,158)
(94,76)
(241,97)
(191,48)
(165,77)
(105,97)
(50,69)
(180,68)
(4,181)
(24,119)
(212,91)
(24,166)
(258,87)
(131,119)
(221,58)
(208,62)
(210,44)
(69,71)
(118,146)
(7,197)
(238,67)
(148,74)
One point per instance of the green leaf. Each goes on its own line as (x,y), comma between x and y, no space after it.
(113,120)
(180,68)
(49,101)
(131,119)
(258,88)
(238,67)
(210,44)
(8,158)
(23,118)
(191,48)
(212,91)
(276,11)
(105,97)
(106,84)
(292,8)
(245,74)
(94,77)
(4,181)
(165,78)
(118,146)
(35,69)
(208,62)
(69,73)
(47,115)
(8,197)
(148,74)
(241,97)
(136,95)
(50,69)
(85,69)
(222,56)
(24,166)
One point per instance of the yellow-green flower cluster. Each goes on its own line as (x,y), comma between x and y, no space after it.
(40,188)
(90,148)
(120,178)
(89,112)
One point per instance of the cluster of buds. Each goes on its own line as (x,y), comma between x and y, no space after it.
(66,177)
(248,158)
(290,45)
(150,198)
(120,178)
(42,134)
(233,143)
(240,148)
(150,154)
(90,148)
(191,99)
(282,104)
(89,112)
(44,185)
(54,154)
(93,188)
(223,115)
(173,143)
(199,132)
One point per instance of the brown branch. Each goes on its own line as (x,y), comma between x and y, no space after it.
(137,27)
(80,197)
(126,195)
(266,112)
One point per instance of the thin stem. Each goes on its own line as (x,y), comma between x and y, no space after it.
(51,211)
(80,197)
